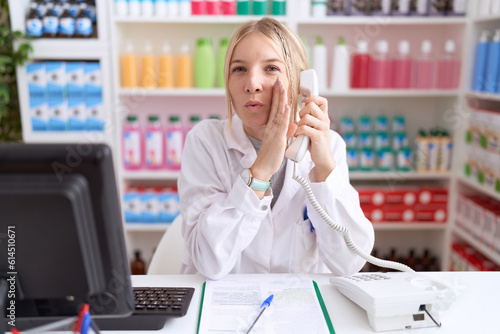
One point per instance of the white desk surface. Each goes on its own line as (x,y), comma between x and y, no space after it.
(475,311)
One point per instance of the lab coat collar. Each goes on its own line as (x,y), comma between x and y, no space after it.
(239,141)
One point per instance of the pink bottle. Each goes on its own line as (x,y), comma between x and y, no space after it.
(381,76)
(154,144)
(361,66)
(402,67)
(425,68)
(448,68)
(132,145)
(174,143)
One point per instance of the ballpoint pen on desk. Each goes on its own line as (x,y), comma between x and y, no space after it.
(263,307)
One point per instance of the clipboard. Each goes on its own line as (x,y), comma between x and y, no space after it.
(240,327)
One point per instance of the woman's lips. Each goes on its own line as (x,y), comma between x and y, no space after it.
(253,105)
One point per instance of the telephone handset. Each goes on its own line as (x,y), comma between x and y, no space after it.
(308,86)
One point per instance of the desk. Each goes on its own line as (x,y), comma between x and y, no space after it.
(475,311)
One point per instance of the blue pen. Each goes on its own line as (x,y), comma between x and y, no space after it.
(263,307)
(85,324)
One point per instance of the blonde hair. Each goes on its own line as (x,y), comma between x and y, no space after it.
(292,49)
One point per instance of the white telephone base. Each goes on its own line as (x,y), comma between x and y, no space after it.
(396,300)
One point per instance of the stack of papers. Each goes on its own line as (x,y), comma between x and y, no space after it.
(231,305)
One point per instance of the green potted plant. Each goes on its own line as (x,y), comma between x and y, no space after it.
(10,57)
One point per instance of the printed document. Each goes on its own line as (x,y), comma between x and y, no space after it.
(231,305)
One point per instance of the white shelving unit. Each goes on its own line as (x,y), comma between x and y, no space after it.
(421,108)
(472,99)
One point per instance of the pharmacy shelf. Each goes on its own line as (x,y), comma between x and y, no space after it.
(385,93)
(69,49)
(409,226)
(488,252)
(487,18)
(493,194)
(150,175)
(382,20)
(484,96)
(146,227)
(398,176)
(84,137)
(172,92)
(201,19)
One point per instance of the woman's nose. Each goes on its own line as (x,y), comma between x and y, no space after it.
(254,83)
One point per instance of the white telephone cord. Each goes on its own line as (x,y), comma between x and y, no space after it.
(345,232)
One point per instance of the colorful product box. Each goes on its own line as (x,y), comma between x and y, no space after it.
(150,206)
(436,213)
(75,87)
(93,97)
(37,84)
(132,206)
(169,206)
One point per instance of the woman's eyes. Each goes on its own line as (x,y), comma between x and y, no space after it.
(270,68)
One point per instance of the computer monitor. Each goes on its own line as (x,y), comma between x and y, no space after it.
(61,234)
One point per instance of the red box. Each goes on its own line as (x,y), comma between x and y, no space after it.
(437,213)
(405,196)
(398,213)
(373,196)
(373,213)
(433,196)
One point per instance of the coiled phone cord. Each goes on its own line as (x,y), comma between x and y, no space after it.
(345,232)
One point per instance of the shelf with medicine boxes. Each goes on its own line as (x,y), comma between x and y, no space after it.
(475,225)
(65,89)
(422,108)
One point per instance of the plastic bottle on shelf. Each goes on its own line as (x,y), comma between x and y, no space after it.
(83,23)
(278,7)
(134,8)
(154,144)
(184,8)
(425,67)
(91,10)
(341,65)
(185,68)
(174,143)
(193,120)
(204,64)
(66,23)
(147,8)
(319,8)
(402,68)
(448,68)
(221,56)
(160,9)
(132,144)
(50,22)
(212,7)
(480,63)
(74,8)
(228,7)
(166,67)
(259,7)
(320,63)
(493,67)
(198,7)
(381,76)
(129,75)
(173,8)
(243,7)
(361,66)
(148,67)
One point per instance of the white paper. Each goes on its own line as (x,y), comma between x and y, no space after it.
(231,305)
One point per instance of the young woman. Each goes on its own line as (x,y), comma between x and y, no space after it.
(242,211)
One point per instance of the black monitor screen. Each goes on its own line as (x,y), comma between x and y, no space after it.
(61,233)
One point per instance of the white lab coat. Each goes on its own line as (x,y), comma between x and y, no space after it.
(227,229)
